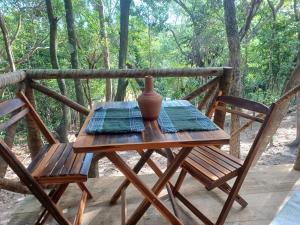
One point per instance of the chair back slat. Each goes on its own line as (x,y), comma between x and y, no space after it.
(15,118)
(10,106)
(244,104)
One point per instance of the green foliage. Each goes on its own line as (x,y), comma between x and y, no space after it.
(162,34)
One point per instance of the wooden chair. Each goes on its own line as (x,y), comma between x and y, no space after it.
(213,167)
(56,164)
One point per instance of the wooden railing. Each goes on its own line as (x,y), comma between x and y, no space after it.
(218,82)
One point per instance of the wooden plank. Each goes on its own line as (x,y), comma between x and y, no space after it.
(35,162)
(202,163)
(15,118)
(203,170)
(244,104)
(76,167)
(41,165)
(239,113)
(9,106)
(57,168)
(86,164)
(235,162)
(52,161)
(215,159)
(211,162)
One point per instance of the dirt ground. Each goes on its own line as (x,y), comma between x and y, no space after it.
(278,153)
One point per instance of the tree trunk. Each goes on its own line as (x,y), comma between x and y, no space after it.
(65,122)
(33,133)
(297,140)
(105,51)
(11,131)
(293,81)
(7,43)
(233,40)
(73,53)
(124,21)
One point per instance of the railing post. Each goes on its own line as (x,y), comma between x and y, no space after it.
(224,87)
(33,133)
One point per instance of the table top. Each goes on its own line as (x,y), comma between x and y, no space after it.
(150,138)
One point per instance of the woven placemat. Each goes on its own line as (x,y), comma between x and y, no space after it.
(184,118)
(116,120)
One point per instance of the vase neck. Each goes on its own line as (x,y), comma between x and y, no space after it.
(149,84)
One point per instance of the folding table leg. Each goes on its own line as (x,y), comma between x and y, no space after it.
(162,181)
(148,194)
(144,158)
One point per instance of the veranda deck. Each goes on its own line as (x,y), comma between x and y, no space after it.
(266,189)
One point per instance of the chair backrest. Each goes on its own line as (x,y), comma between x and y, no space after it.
(264,116)
(20,107)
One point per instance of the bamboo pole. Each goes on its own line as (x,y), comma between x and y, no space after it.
(11,78)
(39,74)
(59,97)
(201,89)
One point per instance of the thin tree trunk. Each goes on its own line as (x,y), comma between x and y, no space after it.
(74,53)
(235,58)
(10,132)
(105,50)
(7,43)
(297,140)
(33,133)
(65,122)
(124,21)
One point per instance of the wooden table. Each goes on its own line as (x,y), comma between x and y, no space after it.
(145,143)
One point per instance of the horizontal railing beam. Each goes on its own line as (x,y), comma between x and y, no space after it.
(7,79)
(39,74)
(65,100)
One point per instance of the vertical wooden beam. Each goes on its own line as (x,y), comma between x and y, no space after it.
(224,87)
(33,133)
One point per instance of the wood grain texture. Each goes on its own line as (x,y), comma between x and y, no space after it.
(122,73)
(151,137)
(58,164)
(9,106)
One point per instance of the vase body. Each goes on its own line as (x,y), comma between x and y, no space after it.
(149,101)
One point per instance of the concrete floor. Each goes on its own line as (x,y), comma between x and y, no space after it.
(266,189)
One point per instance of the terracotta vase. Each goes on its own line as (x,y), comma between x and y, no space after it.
(149,101)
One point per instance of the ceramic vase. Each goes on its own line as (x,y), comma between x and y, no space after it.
(149,101)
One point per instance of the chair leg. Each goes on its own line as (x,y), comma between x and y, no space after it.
(83,187)
(55,195)
(230,200)
(180,179)
(226,188)
(82,204)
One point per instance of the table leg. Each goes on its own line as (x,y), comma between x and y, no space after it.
(170,158)
(144,158)
(148,194)
(162,181)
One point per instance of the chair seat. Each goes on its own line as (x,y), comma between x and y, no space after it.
(211,166)
(57,164)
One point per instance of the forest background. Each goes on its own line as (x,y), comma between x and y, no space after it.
(258,38)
